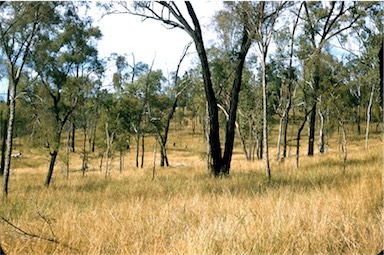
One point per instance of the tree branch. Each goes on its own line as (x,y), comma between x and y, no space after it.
(49,239)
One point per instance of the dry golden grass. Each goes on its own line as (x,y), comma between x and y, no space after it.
(313,210)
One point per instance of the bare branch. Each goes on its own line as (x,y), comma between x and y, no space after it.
(49,239)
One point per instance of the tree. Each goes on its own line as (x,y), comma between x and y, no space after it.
(323,22)
(63,52)
(178,89)
(19,25)
(170,14)
(263,17)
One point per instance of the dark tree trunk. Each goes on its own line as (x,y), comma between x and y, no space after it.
(381,60)
(137,148)
(94,138)
(163,154)
(315,94)
(5,125)
(312,123)
(142,151)
(214,128)
(298,138)
(230,127)
(259,145)
(4,141)
(73,136)
(84,167)
(51,167)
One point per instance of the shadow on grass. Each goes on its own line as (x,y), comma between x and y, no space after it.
(256,183)
(338,163)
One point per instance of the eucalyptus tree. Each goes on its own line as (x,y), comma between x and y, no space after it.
(170,14)
(323,21)
(262,20)
(20,23)
(167,107)
(64,50)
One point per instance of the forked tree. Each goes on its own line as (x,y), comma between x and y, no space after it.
(169,14)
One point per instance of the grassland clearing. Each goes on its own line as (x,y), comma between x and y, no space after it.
(315,209)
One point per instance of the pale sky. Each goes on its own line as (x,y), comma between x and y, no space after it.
(149,40)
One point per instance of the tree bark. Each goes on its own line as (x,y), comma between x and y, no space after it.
(73,136)
(4,141)
(381,64)
(344,147)
(311,136)
(51,167)
(9,143)
(109,141)
(298,138)
(231,123)
(142,151)
(214,128)
(321,133)
(250,138)
(137,140)
(265,116)
(369,117)
(278,158)
(84,167)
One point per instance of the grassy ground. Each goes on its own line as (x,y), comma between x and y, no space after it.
(313,210)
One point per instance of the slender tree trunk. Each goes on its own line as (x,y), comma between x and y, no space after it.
(206,122)
(137,140)
(142,151)
(109,141)
(311,136)
(259,149)
(381,88)
(250,138)
(369,116)
(242,143)
(8,151)
(94,138)
(53,154)
(73,136)
(278,158)
(298,138)
(344,148)
(265,117)
(321,133)
(163,153)
(85,154)
(4,144)
(51,167)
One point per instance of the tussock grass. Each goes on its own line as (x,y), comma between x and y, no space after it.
(312,210)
